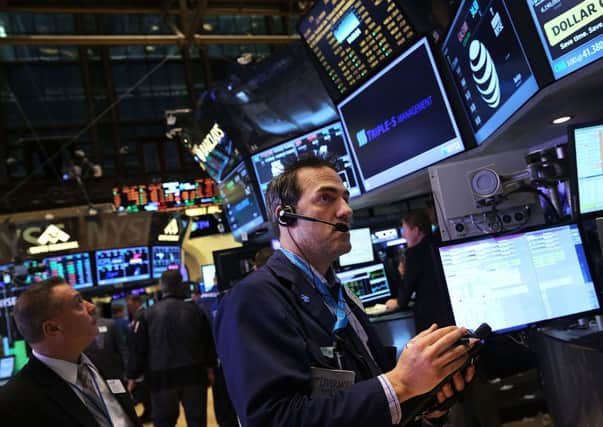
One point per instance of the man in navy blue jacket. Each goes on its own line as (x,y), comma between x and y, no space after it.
(296,347)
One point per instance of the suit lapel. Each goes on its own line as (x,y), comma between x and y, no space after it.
(60,392)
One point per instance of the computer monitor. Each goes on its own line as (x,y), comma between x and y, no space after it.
(586,154)
(6,271)
(326,141)
(165,258)
(391,120)
(32,271)
(571,32)
(122,265)
(488,64)
(516,280)
(75,268)
(362,248)
(241,202)
(369,283)
(208,277)
(7,367)
(233,264)
(351,39)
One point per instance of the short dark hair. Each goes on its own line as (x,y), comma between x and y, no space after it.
(418,218)
(284,190)
(35,306)
(135,298)
(171,282)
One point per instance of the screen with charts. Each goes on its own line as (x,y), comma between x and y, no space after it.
(122,265)
(571,32)
(74,268)
(31,271)
(488,65)
(165,258)
(588,152)
(352,38)
(362,248)
(368,283)
(389,120)
(241,202)
(208,275)
(327,141)
(516,280)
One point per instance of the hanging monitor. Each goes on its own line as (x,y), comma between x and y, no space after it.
(122,265)
(516,280)
(400,121)
(165,258)
(488,64)
(586,150)
(326,141)
(352,39)
(571,32)
(241,202)
(76,269)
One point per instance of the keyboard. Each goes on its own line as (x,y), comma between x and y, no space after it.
(593,340)
(376,309)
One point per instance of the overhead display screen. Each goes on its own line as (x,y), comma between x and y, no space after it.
(400,121)
(488,64)
(571,32)
(74,268)
(327,141)
(350,39)
(165,258)
(241,203)
(588,152)
(122,265)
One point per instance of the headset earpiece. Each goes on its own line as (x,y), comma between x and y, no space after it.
(285,216)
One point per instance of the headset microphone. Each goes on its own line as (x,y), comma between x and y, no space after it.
(287,216)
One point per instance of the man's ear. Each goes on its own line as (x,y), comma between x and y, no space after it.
(51,328)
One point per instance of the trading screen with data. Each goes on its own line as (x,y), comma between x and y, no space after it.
(122,265)
(488,64)
(352,38)
(520,279)
(165,258)
(588,146)
(326,142)
(368,283)
(76,269)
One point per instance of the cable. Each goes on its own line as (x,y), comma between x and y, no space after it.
(547,199)
(93,122)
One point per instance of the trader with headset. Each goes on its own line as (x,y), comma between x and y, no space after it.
(297,348)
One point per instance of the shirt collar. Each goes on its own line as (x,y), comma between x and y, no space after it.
(328,279)
(64,369)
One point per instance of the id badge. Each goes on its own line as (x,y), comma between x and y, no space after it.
(328,381)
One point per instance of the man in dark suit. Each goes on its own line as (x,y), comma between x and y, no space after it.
(297,347)
(60,385)
(108,350)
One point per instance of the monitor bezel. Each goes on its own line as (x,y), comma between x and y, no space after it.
(450,103)
(437,261)
(573,169)
(125,280)
(346,144)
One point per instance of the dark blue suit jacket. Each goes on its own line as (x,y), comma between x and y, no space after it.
(269,331)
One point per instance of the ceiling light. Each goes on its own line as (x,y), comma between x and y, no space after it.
(154,27)
(561,120)
(207,27)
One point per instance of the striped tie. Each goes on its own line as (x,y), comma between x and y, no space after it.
(92,399)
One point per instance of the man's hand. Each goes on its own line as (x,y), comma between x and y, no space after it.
(427,360)
(391,304)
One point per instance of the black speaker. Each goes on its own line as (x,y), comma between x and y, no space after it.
(285,216)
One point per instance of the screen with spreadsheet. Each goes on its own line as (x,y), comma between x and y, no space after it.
(515,280)
(74,268)
(351,39)
(122,265)
(368,283)
(587,145)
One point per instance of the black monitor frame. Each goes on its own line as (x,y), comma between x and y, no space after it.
(573,169)
(589,260)
(226,279)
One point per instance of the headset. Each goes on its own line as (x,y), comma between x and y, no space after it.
(287,217)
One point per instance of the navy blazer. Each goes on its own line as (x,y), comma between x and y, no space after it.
(269,330)
(37,396)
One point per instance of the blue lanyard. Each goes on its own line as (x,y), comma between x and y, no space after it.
(92,400)
(338,307)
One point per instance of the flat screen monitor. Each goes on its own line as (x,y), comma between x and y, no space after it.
(32,271)
(571,32)
(586,149)
(207,225)
(391,120)
(7,367)
(351,39)
(369,283)
(208,275)
(165,258)
(232,265)
(6,271)
(122,265)
(241,202)
(488,64)
(362,248)
(516,280)
(327,141)
(76,269)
